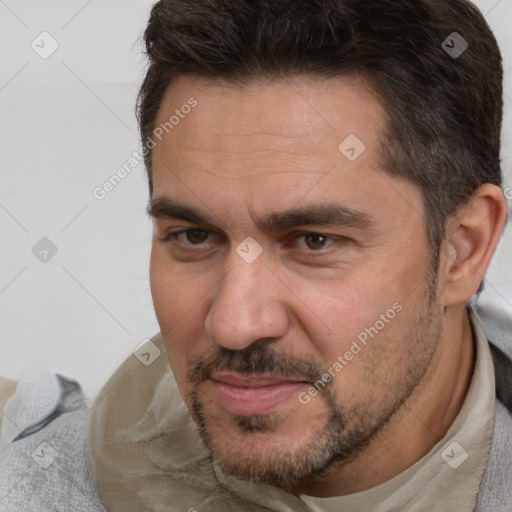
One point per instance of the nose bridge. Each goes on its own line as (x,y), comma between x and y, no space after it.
(247,306)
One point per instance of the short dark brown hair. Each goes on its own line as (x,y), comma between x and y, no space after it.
(444,111)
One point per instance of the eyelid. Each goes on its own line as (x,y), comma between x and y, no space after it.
(175,234)
(293,235)
(303,234)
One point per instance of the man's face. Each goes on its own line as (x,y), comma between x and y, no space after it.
(304,263)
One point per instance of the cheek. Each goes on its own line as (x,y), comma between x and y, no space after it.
(329,316)
(362,308)
(365,349)
(175,292)
(179,299)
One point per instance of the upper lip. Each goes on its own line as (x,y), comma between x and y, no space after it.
(253,381)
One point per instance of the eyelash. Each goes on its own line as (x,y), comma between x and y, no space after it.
(173,238)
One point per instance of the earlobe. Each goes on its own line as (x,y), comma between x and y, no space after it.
(471,240)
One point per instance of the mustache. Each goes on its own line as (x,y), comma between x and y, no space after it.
(255,359)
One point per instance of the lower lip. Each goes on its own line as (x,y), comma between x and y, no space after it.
(255,401)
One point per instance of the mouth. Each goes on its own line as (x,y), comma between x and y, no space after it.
(254,394)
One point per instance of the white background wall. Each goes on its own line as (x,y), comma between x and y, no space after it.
(66,125)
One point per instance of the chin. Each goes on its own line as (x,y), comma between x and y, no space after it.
(275,449)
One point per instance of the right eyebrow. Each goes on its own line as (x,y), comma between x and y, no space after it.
(163,207)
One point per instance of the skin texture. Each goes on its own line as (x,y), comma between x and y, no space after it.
(248,151)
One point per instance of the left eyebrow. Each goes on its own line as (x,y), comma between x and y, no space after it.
(309,215)
(316,215)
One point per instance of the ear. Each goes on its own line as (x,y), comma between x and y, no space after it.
(471,239)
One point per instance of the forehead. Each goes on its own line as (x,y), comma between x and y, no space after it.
(298,114)
(272,143)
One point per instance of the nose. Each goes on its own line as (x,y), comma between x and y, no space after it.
(249,305)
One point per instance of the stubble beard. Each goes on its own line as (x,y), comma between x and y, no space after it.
(332,439)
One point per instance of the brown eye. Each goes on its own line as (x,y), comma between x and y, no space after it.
(315,242)
(196,237)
